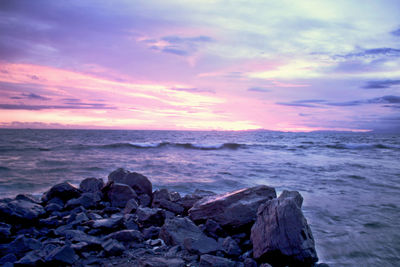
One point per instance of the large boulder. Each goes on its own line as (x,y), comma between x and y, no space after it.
(64,191)
(91,185)
(281,235)
(20,211)
(183,232)
(232,210)
(140,183)
(120,194)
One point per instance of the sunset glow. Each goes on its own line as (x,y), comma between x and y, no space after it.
(203,65)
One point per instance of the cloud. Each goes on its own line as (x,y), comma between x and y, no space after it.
(396,32)
(34,96)
(177,45)
(192,90)
(259,89)
(43,107)
(374,52)
(381,84)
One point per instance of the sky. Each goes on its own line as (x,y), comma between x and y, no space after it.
(200,64)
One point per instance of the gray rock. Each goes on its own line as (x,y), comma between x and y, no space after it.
(120,194)
(160,262)
(86,200)
(53,207)
(214,261)
(140,183)
(5,231)
(281,233)
(8,258)
(50,222)
(28,197)
(162,199)
(91,185)
(182,231)
(20,210)
(249,262)
(62,255)
(144,200)
(188,200)
(148,217)
(64,191)
(79,236)
(21,245)
(231,247)
(213,229)
(130,222)
(131,206)
(113,247)
(151,233)
(107,223)
(127,237)
(32,258)
(232,210)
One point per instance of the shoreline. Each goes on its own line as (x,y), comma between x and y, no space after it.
(125,222)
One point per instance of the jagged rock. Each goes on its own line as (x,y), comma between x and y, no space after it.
(231,247)
(210,260)
(131,206)
(79,236)
(20,211)
(162,199)
(53,207)
(120,194)
(144,200)
(62,255)
(50,222)
(28,197)
(130,222)
(140,183)
(91,185)
(175,196)
(21,245)
(232,210)
(86,200)
(182,231)
(213,229)
(148,217)
(5,232)
(126,237)
(107,224)
(151,233)
(188,200)
(113,247)
(32,258)
(160,262)
(281,234)
(64,191)
(8,258)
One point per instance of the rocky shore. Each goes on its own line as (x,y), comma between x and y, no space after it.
(124,222)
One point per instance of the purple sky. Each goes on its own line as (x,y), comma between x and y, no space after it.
(221,65)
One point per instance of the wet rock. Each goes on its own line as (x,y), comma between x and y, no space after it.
(160,262)
(113,247)
(140,183)
(21,211)
(86,200)
(8,258)
(126,237)
(120,194)
(281,234)
(21,245)
(151,233)
(231,247)
(232,210)
(148,217)
(182,231)
(91,185)
(210,260)
(61,256)
(131,206)
(64,191)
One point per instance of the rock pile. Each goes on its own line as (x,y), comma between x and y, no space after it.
(124,222)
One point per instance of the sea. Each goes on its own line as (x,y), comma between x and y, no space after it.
(350,181)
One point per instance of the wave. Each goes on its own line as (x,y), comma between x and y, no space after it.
(18,149)
(232,146)
(359,146)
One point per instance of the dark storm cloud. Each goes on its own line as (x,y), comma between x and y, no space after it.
(381,84)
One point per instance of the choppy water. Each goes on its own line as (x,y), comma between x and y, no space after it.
(350,181)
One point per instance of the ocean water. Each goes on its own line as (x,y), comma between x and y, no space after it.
(350,181)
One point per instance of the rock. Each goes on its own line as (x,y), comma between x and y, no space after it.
(249,262)
(21,211)
(79,236)
(53,207)
(107,224)
(64,191)
(5,232)
(8,258)
(231,247)
(148,217)
(50,222)
(144,200)
(61,255)
(232,210)
(113,247)
(91,185)
(160,262)
(175,196)
(188,201)
(21,245)
(281,233)
(265,265)
(130,222)
(86,200)
(162,199)
(182,231)
(28,197)
(151,233)
(120,194)
(140,183)
(213,229)
(126,237)
(130,206)
(210,260)
(322,265)
(32,258)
